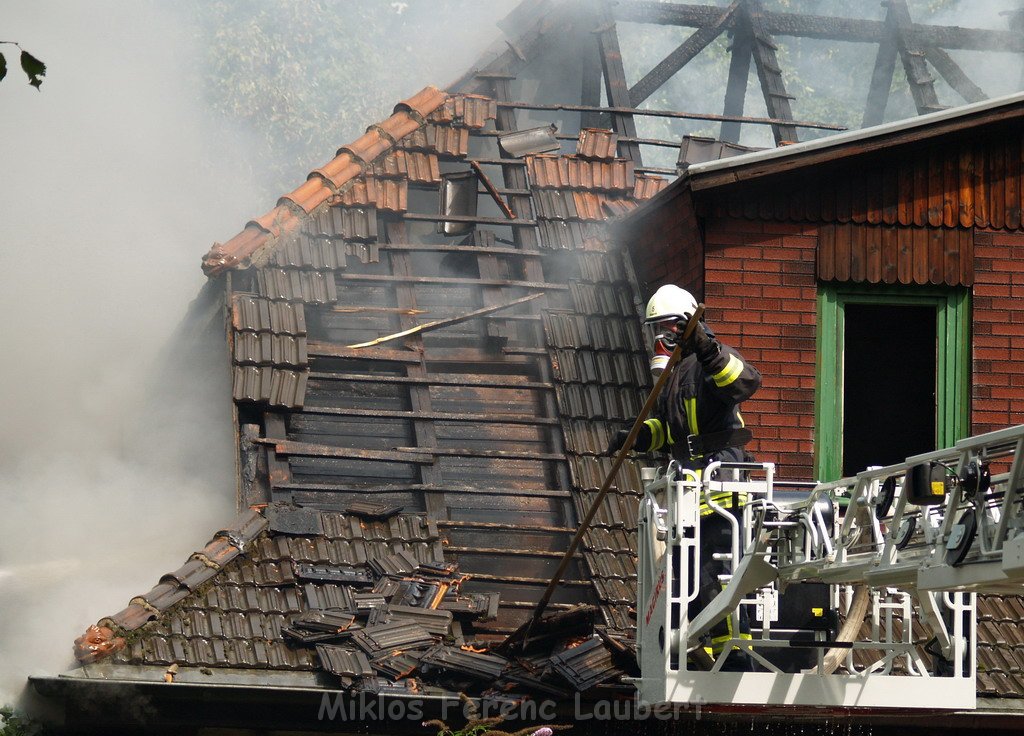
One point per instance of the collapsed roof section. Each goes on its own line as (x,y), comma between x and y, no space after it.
(431,345)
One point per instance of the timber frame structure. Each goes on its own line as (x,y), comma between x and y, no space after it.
(752,30)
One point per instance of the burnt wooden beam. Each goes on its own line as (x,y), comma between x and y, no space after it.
(308,449)
(318,349)
(616,89)
(492,190)
(824,27)
(528,240)
(504,526)
(590,82)
(253,474)
(681,56)
(671,114)
(450,281)
(766,61)
(419,394)
(505,552)
(954,75)
(485,454)
(446,379)
(741,51)
(297,486)
(278,471)
(922,83)
(438,324)
(438,416)
(421,217)
(881,76)
(436,248)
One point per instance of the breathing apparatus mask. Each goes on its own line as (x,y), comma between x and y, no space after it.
(663,338)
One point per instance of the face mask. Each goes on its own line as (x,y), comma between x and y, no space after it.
(664,344)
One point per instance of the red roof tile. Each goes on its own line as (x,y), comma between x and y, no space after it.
(308,196)
(393,195)
(423,102)
(470,111)
(362,192)
(588,205)
(576,173)
(96,642)
(339,170)
(597,143)
(647,185)
(279,221)
(391,165)
(368,146)
(397,126)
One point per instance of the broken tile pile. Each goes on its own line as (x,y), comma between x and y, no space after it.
(363,595)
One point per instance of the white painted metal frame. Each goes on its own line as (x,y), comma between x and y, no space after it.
(794,543)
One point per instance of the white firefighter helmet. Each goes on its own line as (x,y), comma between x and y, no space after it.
(670,302)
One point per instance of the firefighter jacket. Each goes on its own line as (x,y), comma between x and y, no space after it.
(702,396)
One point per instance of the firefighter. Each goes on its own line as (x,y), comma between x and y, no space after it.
(697,420)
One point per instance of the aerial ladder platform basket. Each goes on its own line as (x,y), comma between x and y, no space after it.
(859,592)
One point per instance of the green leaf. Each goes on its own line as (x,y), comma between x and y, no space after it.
(34,68)
(3,67)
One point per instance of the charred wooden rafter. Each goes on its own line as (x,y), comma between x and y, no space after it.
(823,27)
(615,81)
(681,56)
(769,73)
(741,50)
(922,83)
(954,75)
(669,114)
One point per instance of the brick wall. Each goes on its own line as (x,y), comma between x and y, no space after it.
(666,247)
(761,298)
(998,331)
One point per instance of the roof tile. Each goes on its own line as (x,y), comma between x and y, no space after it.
(339,170)
(647,185)
(359,193)
(192,574)
(597,143)
(367,147)
(163,596)
(278,221)
(308,196)
(397,126)
(470,111)
(234,252)
(131,618)
(423,102)
(95,643)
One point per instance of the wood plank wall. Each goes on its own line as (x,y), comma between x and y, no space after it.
(967,182)
(878,254)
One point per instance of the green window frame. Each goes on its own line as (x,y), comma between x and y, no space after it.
(952,307)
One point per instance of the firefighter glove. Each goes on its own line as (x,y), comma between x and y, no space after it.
(618,439)
(702,345)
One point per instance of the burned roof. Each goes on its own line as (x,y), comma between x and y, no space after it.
(409,497)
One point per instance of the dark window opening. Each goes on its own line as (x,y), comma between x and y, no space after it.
(888,384)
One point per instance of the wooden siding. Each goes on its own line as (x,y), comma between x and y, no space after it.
(967,182)
(880,254)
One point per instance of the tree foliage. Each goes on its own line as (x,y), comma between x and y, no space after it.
(307,77)
(34,69)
